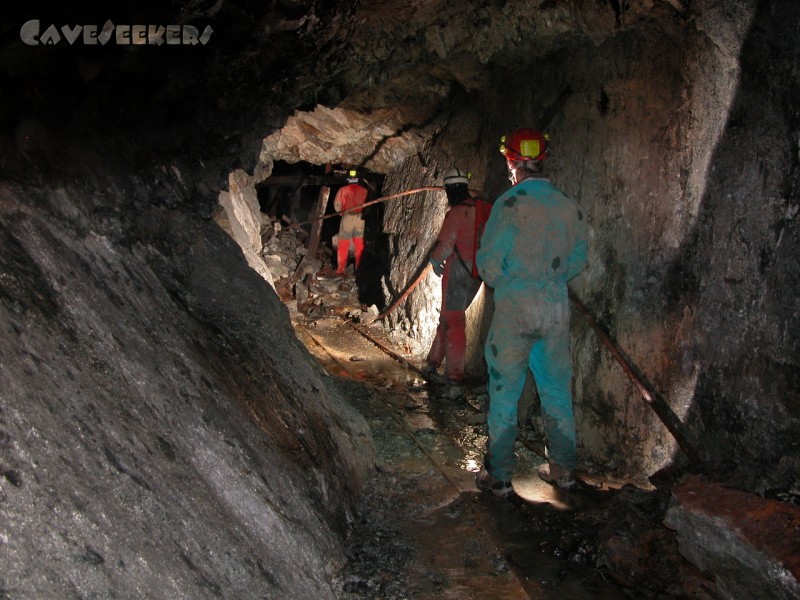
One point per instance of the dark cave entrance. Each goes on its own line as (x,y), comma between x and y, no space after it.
(291,194)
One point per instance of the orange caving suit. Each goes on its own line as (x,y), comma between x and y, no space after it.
(352,225)
(455,247)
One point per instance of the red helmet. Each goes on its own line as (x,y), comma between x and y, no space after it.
(525,144)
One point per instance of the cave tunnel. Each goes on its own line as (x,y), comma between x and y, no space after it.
(195,404)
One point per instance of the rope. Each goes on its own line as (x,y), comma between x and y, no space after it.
(430,188)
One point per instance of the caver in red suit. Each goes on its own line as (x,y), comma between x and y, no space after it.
(351,228)
(452,257)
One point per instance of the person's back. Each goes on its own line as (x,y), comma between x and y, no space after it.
(452,257)
(351,227)
(533,244)
(457,234)
(350,196)
(534,240)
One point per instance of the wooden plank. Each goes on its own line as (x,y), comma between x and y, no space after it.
(316,227)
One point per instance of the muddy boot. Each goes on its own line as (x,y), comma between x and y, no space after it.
(430,373)
(556,475)
(487,483)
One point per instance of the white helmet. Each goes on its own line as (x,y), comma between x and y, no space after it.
(455,176)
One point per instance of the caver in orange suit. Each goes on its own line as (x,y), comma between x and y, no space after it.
(351,196)
(452,257)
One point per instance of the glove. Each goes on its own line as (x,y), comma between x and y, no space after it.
(438,268)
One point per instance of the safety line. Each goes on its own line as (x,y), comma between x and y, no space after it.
(429,188)
(388,351)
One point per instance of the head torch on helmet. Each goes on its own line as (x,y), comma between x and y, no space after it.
(456,176)
(525,144)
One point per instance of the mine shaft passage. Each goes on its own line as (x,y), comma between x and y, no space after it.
(441,534)
(431,441)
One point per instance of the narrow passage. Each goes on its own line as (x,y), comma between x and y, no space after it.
(424,530)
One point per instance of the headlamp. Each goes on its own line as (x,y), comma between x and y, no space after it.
(525,144)
(530,148)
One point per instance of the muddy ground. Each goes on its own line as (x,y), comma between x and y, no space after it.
(425,531)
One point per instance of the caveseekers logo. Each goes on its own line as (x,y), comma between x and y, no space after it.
(123,35)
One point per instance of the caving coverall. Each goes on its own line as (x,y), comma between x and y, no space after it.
(455,247)
(351,227)
(533,244)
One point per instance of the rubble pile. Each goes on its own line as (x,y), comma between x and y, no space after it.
(307,285)
(326,294)
(282,248)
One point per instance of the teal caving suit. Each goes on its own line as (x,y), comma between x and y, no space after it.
(533,244)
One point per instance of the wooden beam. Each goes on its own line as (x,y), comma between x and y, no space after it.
(659,405)
(316,227)
(314,237)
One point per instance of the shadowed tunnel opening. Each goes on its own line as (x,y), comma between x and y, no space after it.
(291,197)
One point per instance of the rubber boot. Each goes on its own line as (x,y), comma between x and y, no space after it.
(456,344)
(358,246)
(436,353)
(342,250)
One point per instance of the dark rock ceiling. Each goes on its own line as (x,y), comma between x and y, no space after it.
(215,103)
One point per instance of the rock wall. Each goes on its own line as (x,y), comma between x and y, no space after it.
(685,238)
(162,431)
(240,217)
(412,224)
(679,136)
(738,270)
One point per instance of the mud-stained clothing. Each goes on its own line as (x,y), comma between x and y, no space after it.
(351,228)
(534,243)
(455,247)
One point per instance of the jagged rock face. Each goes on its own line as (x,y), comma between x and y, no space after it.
(748,542)
(153,440)
(240,217)
(339,136)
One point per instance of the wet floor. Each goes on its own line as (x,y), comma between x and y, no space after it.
(425,531)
